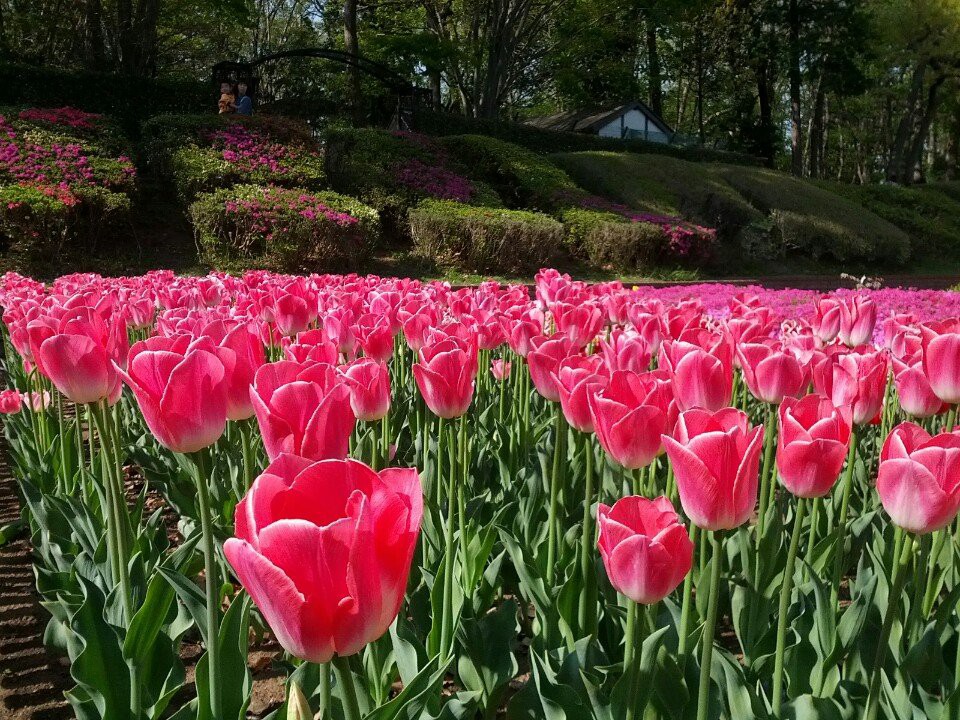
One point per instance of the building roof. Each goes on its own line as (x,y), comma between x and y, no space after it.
(586,121)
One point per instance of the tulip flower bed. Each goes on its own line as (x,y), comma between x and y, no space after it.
(587,501)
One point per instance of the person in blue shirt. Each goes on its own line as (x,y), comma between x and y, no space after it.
(244,102)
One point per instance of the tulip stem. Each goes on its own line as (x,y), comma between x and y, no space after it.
(446,621)
(812,537)
(632,668)
(893,608)
(348,690)
(587,540)
(709,628)
(552,529)
(213,584)
(839,550)
(628,636)
(768,446)
(786,588)
(324,689)
(685,607)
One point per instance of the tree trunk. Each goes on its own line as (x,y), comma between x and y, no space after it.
(796,135)
(93,36)
(815,159)
(913,169)
(654,74)
(351,44)
(952,152)
(765,98)
(699,40)
(899,148)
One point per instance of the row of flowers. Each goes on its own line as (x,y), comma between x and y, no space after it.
(728,448)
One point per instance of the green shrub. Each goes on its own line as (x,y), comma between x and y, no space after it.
(480,239)
(126,100)
(549,141)
(606,239)
(929,214)
(393,171)
(200,153)
(815,222)
(522,178)
(283,229)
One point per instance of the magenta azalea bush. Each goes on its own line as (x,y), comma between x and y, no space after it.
(282,228)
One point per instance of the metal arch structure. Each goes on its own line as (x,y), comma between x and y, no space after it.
(408,94)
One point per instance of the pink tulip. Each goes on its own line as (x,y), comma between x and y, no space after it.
(369,382)
(826,324)
(772,374)
(242,354)
(304,410)
(11,402)
(324,549)
(312,346)
(375,337)
(445,375)
(544,360)
(626,350)
(631,414)
(500,369)
(852,379)
(294,308)
(919,478)
(716,461)
(522,333)
(37,401)
(578,378)
(913,390)
(702,376)
(580,323)
(645,548)
(941,359)
(812,444)
(858,317)
(181,391)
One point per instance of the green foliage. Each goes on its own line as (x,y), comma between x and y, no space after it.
(758,213)
(484,239)
(181,148)
(815,222)
(929,214)
(549,141)
(129,101)
(523,178)
(287,230)
(607,239)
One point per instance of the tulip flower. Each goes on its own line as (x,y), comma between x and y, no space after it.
(913,390)
(312,346)
(445,375)
(324,549)
(181,391)
(243,357)
(500,369)
(578,378)
(630,416)
(771,374)
(857,380)
(375,336)
(715,458)
(919,478)
(11,402)
(369,383)
(812,444)
(826,324)
(580,323)
(303,410)
(544,361)
(858,317)
(645,548)
(941,359)
(294,308)
(626,350)
(701,375)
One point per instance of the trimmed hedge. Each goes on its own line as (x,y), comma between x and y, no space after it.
(522,178)
(393,171)
(549,141)
(479,239)
(201,153)
(283,229)
(606,239)
(129,101)
(817,223)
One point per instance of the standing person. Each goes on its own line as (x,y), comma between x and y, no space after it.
(244,101)
(227,102)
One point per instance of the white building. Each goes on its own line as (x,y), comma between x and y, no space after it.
(632,120)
